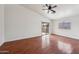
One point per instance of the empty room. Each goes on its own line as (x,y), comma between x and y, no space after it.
(39,28)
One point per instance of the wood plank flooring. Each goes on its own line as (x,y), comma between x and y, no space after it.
(58,45)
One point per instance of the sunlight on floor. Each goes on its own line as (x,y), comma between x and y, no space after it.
(64,47)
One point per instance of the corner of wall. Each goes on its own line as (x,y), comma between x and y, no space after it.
(1,43)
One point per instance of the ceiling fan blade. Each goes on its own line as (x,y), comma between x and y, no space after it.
(47,5)
(54,6)
(53,11)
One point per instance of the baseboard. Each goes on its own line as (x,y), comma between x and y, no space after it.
(64,36)
(1,43)
(22,39)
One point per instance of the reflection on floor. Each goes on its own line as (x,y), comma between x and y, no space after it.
(65,47)
(55,44)
(45,40)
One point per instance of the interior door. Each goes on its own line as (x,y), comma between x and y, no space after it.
(45,27)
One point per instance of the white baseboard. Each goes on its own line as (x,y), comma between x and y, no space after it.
(1,43)
(73,37)
(20,38)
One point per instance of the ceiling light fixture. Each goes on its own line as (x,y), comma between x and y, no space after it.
(49,8)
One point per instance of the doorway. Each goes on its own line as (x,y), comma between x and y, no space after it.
(45,35)
(45,27)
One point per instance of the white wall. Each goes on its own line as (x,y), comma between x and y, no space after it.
(73,32)
(21,23)
(1,24)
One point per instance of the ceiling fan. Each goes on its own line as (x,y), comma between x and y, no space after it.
(50,8)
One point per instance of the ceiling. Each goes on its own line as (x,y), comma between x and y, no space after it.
(62,10)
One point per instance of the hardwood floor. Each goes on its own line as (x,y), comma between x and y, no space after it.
(58,45)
